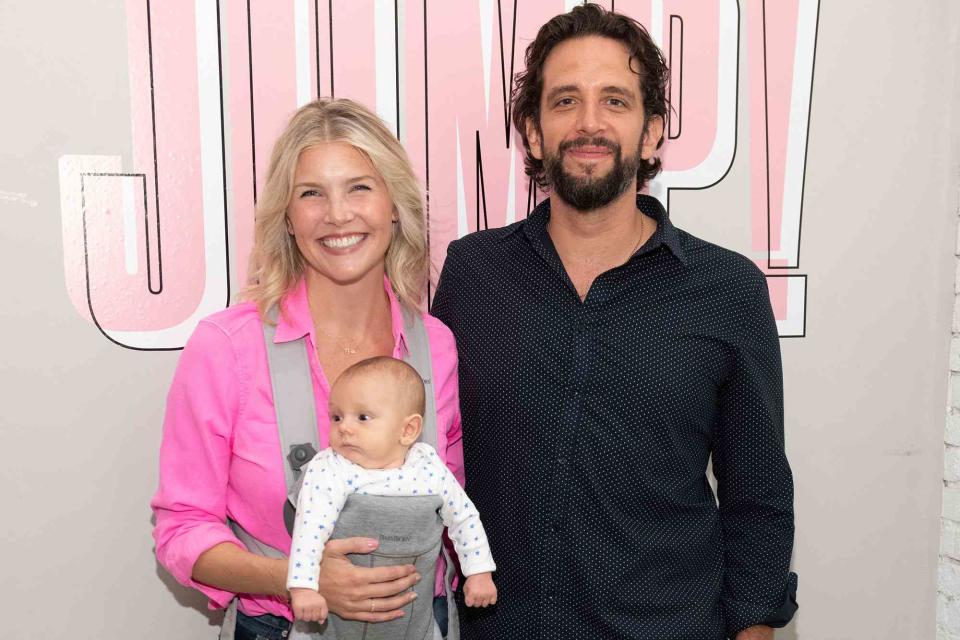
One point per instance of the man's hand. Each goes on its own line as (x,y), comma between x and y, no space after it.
(308,605)
(479,590)
(759,632)
(358,593)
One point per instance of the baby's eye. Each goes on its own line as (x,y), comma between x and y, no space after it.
(335,417)
(363,417)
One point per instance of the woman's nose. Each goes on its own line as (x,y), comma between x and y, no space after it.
(338,212)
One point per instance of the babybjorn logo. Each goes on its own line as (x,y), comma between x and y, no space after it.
(394,538)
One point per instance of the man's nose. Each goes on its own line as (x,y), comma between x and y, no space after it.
(590,118)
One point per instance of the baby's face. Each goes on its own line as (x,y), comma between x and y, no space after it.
(367,422)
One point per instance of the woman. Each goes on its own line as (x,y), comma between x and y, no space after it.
(340,250)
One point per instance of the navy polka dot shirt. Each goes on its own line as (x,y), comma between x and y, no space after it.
(588,427)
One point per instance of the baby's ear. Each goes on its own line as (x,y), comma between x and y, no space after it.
(412,425)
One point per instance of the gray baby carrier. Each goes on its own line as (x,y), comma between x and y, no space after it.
(409,528)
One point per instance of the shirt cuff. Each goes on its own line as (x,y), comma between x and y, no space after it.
(740,615)
(181,555)
(481,566)
(303,582)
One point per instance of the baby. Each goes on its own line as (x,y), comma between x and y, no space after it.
(376,415)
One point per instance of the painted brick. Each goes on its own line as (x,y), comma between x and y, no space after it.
(956,315)
(948,575)
(951,464)
(955,390)
(942,602)
(951,503)
(952,433)
(943,634)
(950,539)
(955,354)
(948,614)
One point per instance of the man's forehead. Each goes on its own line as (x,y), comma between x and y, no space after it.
(590,61)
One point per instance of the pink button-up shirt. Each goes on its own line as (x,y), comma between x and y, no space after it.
(220,457)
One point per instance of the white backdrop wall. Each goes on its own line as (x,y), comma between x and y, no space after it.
(865,385)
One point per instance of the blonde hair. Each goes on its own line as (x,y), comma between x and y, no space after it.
(275,263)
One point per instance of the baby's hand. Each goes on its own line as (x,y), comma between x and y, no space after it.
(479,590)
(308,605)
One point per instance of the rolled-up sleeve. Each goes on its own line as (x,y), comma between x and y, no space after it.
(754,481)
(443,348)
(190,503)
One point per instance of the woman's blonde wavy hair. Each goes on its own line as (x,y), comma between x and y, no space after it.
(275,262)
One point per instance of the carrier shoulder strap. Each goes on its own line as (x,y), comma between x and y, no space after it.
(292,384)
(419,357)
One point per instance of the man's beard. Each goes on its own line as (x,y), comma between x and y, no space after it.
(588,193)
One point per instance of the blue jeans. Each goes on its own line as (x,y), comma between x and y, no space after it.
(440,613)
(268,627)
(265,627)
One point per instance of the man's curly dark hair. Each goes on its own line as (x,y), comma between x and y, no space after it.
(590,20)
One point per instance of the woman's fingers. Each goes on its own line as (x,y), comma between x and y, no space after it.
(349,545)
(384,584)
(350,590)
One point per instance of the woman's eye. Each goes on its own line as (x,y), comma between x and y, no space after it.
(309,193)
(360,187)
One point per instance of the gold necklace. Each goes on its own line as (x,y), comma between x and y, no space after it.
(639,244)
(347,349)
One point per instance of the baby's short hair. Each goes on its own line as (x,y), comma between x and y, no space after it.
(408,380)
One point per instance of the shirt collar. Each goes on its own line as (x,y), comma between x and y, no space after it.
(665,235)
(295,322)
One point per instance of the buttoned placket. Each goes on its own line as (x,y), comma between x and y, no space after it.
(585,315)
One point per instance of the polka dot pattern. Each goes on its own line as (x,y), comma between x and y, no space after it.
(330,479)
(588,427)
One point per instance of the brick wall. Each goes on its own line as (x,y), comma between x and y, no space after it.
(948,579)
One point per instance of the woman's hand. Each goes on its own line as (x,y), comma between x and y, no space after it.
(359,593)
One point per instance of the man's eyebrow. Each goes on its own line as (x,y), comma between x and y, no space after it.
(619,91)
(565,88)
(608,90)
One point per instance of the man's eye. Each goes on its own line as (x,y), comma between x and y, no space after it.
(564,102)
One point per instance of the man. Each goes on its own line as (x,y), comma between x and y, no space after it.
(605,356)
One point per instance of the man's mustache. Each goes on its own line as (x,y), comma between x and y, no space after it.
(589,142)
